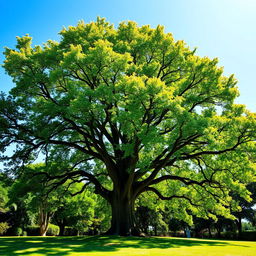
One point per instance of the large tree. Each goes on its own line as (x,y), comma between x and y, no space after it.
(29,192)
(133,107)
(76,210)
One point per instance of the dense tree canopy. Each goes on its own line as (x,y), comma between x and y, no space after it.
(31,191)
(128,110)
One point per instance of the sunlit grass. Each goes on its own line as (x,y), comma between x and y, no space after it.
(123,246)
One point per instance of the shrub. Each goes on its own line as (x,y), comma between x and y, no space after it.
(249,235)
(18,231)
(70,231)
(229,235)
(32,230)
(4,226)
(53,230)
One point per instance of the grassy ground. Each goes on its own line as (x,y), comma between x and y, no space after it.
(129,246)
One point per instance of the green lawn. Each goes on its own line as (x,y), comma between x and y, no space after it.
(126,246)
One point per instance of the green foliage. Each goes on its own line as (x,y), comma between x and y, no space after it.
(102,216)
(76,211)
(148,111)
(3,193)
(32,189)
(53,230)
(4,226)
(229,235)
(70,231)
(32,230)
(18,231)
(150,214)
(248,226)
(28,192)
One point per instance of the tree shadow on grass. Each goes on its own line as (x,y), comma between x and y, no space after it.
(62,246)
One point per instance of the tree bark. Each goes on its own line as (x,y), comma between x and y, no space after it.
(123,220)
(44,219)
(122,200)
(43,231)
(62,229)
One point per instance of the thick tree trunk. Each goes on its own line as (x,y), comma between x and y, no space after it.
(62,223)
(43,230)
(62,229)
(123,217)
(123,220)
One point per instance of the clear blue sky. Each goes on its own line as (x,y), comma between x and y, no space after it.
(219,28)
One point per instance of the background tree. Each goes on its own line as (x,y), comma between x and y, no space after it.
(76,211)
(4,216)
(3,193)
(247,211)
(150,215)
(102,217)
(139,104)
(31,203)
(29,192)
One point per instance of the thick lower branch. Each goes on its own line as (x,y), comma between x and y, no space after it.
(158,193)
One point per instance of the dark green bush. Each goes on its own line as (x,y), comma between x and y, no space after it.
(53,230)
(70,231)
(4,226)
(249,235)
(33,231)
(229,235)
(18,231)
